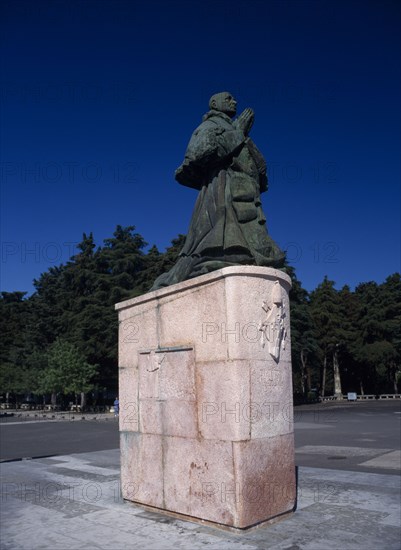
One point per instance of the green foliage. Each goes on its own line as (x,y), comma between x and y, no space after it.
(13,312)
(156,263)
(304,346)
(15,379)
(67,370)
(325,311)
(361,330)
(378,338)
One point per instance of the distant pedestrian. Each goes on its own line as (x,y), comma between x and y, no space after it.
(116,406)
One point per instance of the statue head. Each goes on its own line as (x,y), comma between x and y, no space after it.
(223,102)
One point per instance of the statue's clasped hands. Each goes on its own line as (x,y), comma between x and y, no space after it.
(245,121)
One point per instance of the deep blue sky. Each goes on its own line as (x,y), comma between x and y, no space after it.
(99,99)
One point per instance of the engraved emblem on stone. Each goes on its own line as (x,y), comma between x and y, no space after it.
(273,328)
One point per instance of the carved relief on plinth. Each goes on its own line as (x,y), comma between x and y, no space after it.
(273,327)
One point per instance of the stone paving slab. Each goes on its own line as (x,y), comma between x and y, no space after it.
(390,460)
(74,502)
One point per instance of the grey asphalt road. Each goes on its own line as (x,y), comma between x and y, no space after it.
(343,436)
(338,436)
(37,439)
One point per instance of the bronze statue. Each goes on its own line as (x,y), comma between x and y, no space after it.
(228,226)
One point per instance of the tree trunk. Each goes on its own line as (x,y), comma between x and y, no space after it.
(394,377)
(324,375)
(83,400)
(308,373)
(302,377)
(337,378)
(361,387)
(53,399)
(304,374)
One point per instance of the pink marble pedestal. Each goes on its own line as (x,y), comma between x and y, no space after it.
(206,413)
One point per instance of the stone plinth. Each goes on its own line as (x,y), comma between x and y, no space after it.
(206,415)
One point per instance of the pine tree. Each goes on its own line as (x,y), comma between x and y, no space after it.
(13,312)
(303,343)
(328,331)
(378,342)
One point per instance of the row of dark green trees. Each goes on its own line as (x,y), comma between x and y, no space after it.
(61,342)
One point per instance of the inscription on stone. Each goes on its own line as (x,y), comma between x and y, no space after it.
(266,377)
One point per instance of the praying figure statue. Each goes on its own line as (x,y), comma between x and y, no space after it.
(228,226)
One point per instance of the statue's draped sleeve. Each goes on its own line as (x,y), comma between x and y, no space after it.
(210,147)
